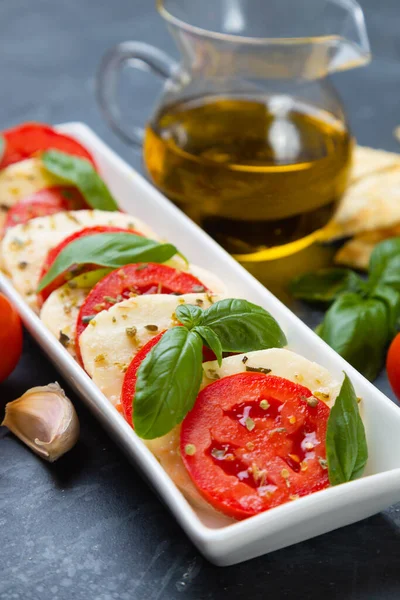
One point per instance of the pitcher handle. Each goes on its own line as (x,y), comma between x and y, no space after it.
(137,55)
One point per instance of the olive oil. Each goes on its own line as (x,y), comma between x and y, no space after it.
(261,176)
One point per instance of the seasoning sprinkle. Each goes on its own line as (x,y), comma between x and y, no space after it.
(64,339)
(190,449)
(88,318)
(245,359)
(198,288)
(264,404)
(218,454)
(142,267)
(110,299)
(100,306)
(99,358)
(250,446)
(323,462)
(212,374)
(199,302)
(311,401)
(292,420)
(22,265)
(278,430)
(151,327)
(131,331)
(72,284)
(249,424)
(258,370)
(294,497)
(114,320)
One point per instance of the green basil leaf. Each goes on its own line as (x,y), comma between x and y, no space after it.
(86,281)
(2,147)
(168,381)
(384,264)
(391,298)
(211,340)
(188,314)
(242,326)
(358,329)
(346,444)
(81,174)
(108,250)
(325,285)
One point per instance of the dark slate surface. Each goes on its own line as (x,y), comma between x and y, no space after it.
(88,528)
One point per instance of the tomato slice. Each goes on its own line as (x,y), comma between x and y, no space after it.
(44,203)
(252,442)
(393,365)
(10,337)
(129,384)
(135,280)
(29,139)
(54,252)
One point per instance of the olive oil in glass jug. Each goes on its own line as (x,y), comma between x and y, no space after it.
(249,137)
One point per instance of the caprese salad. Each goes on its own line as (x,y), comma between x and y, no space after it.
(239,421)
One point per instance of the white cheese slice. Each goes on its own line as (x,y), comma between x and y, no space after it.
(25,247)
(60,312)
(22,179)
(283,363)
(107,348)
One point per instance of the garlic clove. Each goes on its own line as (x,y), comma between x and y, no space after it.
(45,420)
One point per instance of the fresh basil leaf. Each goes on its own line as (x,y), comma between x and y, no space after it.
(168,381)
(211,340)
(188,314)
(391,298)
(88,280)
(325,285)
(107,250)
(242,326)
(358,329)
(2,147)
(346,444)
(81,174)
(384,264)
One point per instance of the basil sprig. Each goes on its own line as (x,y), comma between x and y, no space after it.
(346,445)
(81,174)
(364,314)
(169,378)
(108,250)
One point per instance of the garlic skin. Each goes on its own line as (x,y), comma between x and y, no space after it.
(45,420)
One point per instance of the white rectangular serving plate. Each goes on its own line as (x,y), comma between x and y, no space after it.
(222,542)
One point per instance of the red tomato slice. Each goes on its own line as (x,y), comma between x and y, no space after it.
(135,280)
(10,337)
(29,139)
(54,252)
(393,365)
(129,384)
(246,457)
(44,203)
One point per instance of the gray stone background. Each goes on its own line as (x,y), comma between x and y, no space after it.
(87,527)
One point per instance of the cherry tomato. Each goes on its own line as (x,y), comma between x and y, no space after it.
(393,365)
(252,441)
(29,139)
(134,280)
(10,337)
(54,252)
(44,203)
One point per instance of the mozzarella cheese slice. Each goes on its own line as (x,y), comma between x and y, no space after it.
(283,363)
(25,247)
(60,311)
(108,346)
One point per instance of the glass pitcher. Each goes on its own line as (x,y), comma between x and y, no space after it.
(249,137)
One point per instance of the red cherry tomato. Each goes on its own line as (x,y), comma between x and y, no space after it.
(10,337)
(54,252)
(137,279)
(44,203)
(252,442)
(29,139)
(393,365)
